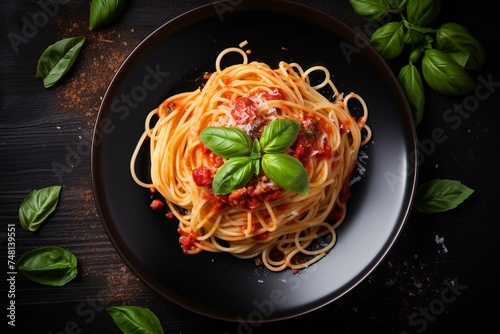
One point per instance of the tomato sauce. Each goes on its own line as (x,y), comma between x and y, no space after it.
(244,111)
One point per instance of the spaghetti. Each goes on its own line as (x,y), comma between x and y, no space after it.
(260,220)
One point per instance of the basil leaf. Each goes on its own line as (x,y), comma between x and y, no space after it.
(105,11)
(279,135)
(440,195)
(37,206)
(286,171)
(422,12)
(370,10)
(226,142)
(48,265)
(388,40)
(135,320)
(233,174)
(412,85)
(456,39)
(57,59)
(444,75)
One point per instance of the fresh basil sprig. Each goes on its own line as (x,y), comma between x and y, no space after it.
(445,58)
(105,11)
(37,206)
(57,59)
(245,158)
(440,195)
(135,320)
(48,265)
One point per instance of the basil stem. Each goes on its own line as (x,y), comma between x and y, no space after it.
(57,59)
(226,142)
(105,11)
(286,171)
(48,265)
(279,135)
(37,206)
(440,195)
(136,320)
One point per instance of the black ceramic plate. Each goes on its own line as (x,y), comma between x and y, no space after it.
(169,61)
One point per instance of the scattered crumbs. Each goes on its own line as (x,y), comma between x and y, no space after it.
(355,310)
(260,281)
(437,165)
(282,280)
(390,264)
(415,256)
(82,89)
(243,44)
(212,260)
(284,48)
(440,241)
(58,127)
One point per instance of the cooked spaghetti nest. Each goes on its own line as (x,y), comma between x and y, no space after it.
(280,228)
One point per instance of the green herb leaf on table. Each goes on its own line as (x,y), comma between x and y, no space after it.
(57,59)
(412,85)
(440,195)
(135,320)
(37,206)
(388,40)
(103,12)
(48,265)
(454,39)
(226,142)
(444,75)
(370,10)
(286,171)
(422,12)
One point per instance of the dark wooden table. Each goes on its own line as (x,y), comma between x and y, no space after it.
(440,277)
